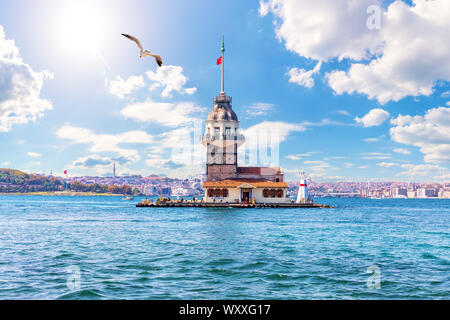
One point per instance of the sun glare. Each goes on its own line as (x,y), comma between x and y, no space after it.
(81,27)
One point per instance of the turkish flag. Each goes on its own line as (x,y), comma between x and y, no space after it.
(65,171)
(220,61)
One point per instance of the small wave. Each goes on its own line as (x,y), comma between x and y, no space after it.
(220,262)
(82,295)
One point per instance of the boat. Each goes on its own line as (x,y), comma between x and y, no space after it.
(127,198)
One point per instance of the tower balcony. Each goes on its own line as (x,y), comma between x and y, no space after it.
(222,98)
(220,139)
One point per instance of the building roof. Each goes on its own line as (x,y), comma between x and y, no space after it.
(222,111)
(259,170)
(244,183)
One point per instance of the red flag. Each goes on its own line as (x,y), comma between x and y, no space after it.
(220,61)
(65,171)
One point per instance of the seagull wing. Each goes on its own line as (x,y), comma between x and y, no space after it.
(134,39)
(157,58)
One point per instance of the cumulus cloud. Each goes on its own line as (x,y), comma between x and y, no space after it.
(167,114)
(170,79)
(405,57)
(20,87)
(323,30)
(92,161)
(120,87)
(302,77)
(431,133)
(105,142)
(407,66)
(264,8)
(375,117)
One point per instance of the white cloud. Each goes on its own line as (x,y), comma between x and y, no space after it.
(375,117)
(262,142)
(302,77)
(34,154)
(407,65)
(376,156)
(387,164)
(349,165)
(323,30)
(425,172)
(105,142)
(120,87)
(259,109)
(270,132)
(264,8)
(431,133)
(372,139)
(402,151)
(344,113)
(170,79)
(293,157)
(447,103)
(20,88)
(405,57)
(167,114)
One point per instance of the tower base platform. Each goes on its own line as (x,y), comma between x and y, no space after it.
(230,205)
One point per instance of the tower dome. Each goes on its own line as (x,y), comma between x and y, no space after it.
(222,111)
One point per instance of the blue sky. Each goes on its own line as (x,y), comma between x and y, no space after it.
(346,102)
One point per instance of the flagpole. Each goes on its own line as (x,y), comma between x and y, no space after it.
(223,62)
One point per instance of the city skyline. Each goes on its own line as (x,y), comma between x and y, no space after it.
(346,104)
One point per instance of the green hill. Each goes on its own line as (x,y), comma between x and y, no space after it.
(17,181)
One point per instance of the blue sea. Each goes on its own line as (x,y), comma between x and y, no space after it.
(106,248)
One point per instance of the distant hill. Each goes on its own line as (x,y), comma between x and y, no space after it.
(17,181)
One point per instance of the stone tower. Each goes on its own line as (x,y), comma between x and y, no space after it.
(222,137)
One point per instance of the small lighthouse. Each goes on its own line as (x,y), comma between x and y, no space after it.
(303,195)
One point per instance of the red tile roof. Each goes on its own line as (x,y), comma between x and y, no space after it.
(234,183)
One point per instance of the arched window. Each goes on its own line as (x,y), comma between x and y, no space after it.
(272,193)
(210,192)
(280,193)
(225,192)
(265,193)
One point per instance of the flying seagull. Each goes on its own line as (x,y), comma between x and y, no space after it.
(144,53)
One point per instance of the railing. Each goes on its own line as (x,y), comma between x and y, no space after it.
(222,99)
(224,136)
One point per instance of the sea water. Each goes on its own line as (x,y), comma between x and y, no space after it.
(105,248)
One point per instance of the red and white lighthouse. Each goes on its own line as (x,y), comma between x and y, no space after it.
(303,195)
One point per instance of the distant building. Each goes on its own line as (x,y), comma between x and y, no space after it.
(411,193)
(425,193)
(399,192)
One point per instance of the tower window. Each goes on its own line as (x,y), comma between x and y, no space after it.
(227,131)
(216,130)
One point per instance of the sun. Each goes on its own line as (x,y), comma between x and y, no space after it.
(81,26)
